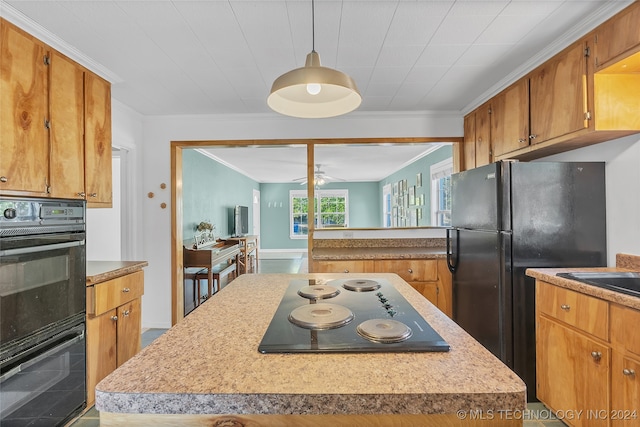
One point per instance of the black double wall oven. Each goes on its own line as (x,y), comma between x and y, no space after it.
(42,311)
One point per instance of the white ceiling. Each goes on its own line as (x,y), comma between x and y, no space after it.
(169,57)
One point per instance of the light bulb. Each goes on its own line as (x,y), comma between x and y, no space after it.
(313,88)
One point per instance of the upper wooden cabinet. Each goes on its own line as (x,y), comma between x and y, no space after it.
(477,137)
(583,95)
(97,106)
(66,105)
(558,95)
(618,37)
(510,118)
(24,111)
(55,123)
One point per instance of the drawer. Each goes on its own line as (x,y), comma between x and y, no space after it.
(108,295)
(350,266)
(584,312)
(625,330)
(411,270)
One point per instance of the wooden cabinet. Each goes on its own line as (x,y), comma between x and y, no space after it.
(66,106)
(558,95)
(114,318)
(588,357)
(55,125)
(469,142)
(97,104)
(573,371)
(346,266)
(24,139)
(584,95)
(618,37)
(429,277)
(477,145)
(510,119)
(625,366)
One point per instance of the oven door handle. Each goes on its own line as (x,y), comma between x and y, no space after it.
(43,350)
(30,250)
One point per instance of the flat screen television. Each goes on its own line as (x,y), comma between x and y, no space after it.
(241,221)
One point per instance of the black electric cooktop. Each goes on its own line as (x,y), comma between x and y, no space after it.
(347,315)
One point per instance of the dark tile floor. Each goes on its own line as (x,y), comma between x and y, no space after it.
(536,415)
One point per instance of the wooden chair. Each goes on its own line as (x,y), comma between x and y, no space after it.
(195,275)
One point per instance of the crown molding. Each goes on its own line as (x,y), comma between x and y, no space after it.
(38,31)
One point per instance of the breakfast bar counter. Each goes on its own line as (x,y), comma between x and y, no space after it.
(207,370)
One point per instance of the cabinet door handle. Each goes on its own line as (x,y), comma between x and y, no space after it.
(81,194)
(596,355)
(533,136)
(126,313)
(410,271)
(629,372)
(114,318)
(3,179)
(346,270)
(565,307)
(126,290)
(93,194)
(521,140)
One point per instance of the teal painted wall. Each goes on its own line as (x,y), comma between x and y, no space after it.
(410,173)
(364,211)
(210,190)
(274,217)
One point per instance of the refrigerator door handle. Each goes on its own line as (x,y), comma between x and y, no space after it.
(452,262)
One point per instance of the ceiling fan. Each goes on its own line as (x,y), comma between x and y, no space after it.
(319,177)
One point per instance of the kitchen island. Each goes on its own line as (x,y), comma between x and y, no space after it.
(206,370)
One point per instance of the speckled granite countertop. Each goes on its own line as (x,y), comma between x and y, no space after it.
(101,271)
(350,249)
(209,364)
(339,254)
(624,262)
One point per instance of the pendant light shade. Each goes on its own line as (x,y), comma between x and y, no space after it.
(314,91)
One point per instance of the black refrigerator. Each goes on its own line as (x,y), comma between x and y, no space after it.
(505,218)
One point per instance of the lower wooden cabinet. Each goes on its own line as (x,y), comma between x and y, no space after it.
(347,266)
(587,357)
(114,323)
(573,371)
(429,277)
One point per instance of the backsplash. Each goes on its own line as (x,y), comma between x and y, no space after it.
(632,262)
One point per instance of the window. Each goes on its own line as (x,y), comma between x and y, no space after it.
(332,211)
(441,193)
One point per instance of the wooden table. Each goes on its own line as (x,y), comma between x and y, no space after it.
(208,258)
(248,245)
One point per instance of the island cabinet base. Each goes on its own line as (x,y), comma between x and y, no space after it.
(466,419)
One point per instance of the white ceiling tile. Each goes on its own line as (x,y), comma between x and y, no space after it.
(399,56)
(461,29)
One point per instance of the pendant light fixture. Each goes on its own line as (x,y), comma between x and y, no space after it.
(314,91)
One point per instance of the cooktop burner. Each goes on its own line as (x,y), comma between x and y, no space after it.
(347,315)
(361,285)
(321,316)
(318,291)
(384,330)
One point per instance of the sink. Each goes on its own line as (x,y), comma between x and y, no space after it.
(624,282)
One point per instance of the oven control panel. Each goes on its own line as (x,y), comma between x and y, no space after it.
(24,214)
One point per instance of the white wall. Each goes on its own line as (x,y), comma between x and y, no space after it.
(622,157)
(159,131)
(104,225)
